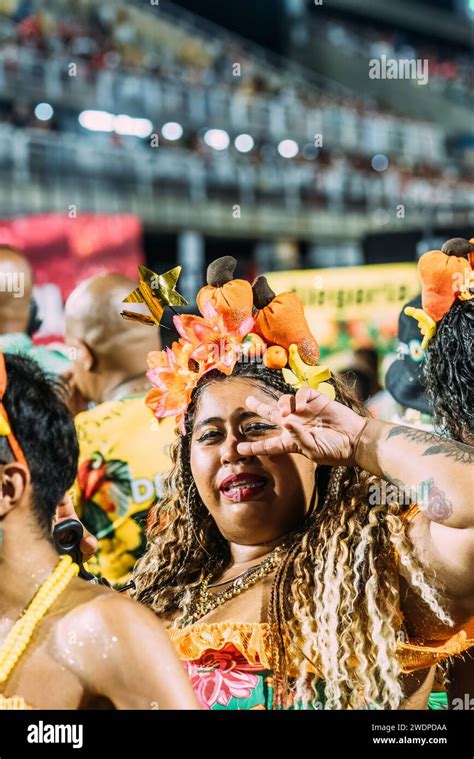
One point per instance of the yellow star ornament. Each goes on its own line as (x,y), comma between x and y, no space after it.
(156,291)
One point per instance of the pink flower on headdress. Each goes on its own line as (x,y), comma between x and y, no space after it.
(214,343)
(173,381)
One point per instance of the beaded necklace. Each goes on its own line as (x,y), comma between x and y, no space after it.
(15,703)
(204,601)
(22,631)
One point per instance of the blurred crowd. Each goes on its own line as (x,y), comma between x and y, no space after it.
(144,64)
(451,72)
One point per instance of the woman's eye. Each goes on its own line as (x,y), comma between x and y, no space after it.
(259,428)
(210,435)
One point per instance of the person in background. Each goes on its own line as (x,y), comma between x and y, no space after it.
(18,313)
(404,381)
(64,643)
(448,376)
(123,450)
(417,380)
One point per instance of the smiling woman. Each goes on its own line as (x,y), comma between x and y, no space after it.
(282,584)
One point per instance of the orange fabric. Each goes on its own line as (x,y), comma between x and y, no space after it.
(423,654)
(252,640)
(234,300)
(441,277)
(411,513)
(283,322)
(14,444)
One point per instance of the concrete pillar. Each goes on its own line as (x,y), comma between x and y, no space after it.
(191,257)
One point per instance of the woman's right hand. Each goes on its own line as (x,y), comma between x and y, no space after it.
(319,428)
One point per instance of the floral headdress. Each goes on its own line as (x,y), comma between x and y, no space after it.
(445,275)
(239,321)
(5,426)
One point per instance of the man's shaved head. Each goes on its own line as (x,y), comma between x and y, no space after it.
(16,286)
(115,345)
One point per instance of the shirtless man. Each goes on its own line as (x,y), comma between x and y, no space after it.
(93,648)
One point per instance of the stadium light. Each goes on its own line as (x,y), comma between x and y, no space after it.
(172,130)
(379,162)
(103,121)
(288,148)
(97,121)
(126,125)
(217,139)
(244,143)
(44,111)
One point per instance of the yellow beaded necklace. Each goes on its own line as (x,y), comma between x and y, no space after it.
(22,631)
(15,703)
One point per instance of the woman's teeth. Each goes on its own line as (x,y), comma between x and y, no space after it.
(244,491)
(241,485)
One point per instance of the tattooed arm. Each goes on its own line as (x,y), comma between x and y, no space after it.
(438,475)
(434,472)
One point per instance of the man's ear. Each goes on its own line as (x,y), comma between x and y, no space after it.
(84,355)
(14,480)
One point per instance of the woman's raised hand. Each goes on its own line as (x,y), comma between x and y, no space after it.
(321,429)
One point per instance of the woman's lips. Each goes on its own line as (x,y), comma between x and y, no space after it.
(242,487)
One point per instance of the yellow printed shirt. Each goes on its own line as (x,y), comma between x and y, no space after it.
(123,456)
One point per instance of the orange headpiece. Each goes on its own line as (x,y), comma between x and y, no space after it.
(238,320)
(5,427)
(445,275)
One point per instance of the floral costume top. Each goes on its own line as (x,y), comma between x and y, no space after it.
(229,662)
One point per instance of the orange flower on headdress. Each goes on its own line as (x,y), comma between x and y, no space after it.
(215,343)
(173,381)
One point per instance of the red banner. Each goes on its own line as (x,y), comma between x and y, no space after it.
(64,250)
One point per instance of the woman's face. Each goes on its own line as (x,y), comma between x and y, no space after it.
(253,499)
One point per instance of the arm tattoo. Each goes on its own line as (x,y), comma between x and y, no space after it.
(461,453)
(432,501)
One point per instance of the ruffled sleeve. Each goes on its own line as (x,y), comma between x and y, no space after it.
(422,654)
(251,639)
